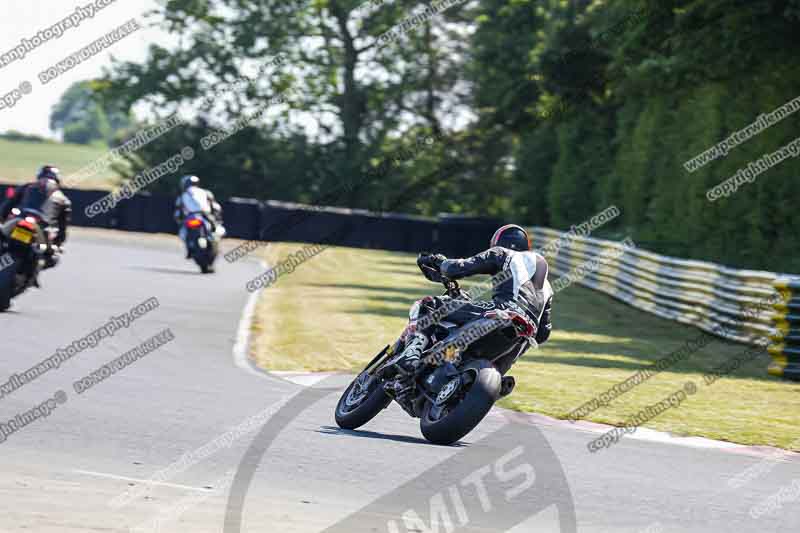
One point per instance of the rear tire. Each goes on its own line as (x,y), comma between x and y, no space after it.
(201,258)
(469,412)
(7,276)
(350,417)
(205,259)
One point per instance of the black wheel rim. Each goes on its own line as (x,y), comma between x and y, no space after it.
(439,411)
(359,391)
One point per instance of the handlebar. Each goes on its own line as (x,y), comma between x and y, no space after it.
(451,287)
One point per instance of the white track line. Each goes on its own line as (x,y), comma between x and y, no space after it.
(641,434)
(241,349)
(142,481)
(306,379)
(241,357)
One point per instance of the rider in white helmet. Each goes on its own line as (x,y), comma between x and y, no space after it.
(195,199)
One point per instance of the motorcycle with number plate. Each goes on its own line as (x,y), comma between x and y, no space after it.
(23,243)
(203,244)
(452,391)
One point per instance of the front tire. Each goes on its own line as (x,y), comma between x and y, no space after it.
(463,417)
(357,408)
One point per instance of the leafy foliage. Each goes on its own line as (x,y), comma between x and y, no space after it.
(638,89)
(545,112)
(84,119)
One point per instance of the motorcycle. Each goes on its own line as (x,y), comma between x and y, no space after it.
(202,242)
(454,388)
(23,245)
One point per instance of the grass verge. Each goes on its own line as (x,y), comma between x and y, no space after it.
(19,161)
(341,307)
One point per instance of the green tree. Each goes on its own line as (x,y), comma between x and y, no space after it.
(82,118)
(352,95)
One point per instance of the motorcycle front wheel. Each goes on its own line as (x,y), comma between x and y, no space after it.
(361,402)
(463,406)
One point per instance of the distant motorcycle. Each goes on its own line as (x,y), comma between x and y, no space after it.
(202,242)
(23,244)
(453,391)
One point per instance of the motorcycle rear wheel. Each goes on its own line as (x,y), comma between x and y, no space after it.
(7,276)
(459,419)
(205,258)
(203,261)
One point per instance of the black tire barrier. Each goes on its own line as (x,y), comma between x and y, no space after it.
(250,219)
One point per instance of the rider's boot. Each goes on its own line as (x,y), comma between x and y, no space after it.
(402,387)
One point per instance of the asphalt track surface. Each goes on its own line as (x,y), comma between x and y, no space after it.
(299,473)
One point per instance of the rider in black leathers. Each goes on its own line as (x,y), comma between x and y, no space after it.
(45,196)
(520,285)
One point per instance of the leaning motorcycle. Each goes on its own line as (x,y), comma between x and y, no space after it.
(453,388)
(202,242)
(23,244)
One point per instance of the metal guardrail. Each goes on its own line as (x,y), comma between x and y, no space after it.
(752,306)
(785,348)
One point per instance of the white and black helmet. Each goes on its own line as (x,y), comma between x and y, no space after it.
(189,181)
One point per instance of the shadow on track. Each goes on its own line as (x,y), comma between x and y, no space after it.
(332,430)
(163,270)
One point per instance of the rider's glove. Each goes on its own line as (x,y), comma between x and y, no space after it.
(438,259)
(430,264)
(431,260)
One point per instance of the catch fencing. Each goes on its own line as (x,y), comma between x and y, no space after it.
(751,306)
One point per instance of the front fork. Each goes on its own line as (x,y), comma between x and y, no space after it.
(381,358)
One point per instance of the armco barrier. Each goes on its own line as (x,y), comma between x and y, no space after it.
(785,350)
(697,293)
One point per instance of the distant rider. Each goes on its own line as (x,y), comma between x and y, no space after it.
(523,288)
(44,195)
(194,199)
